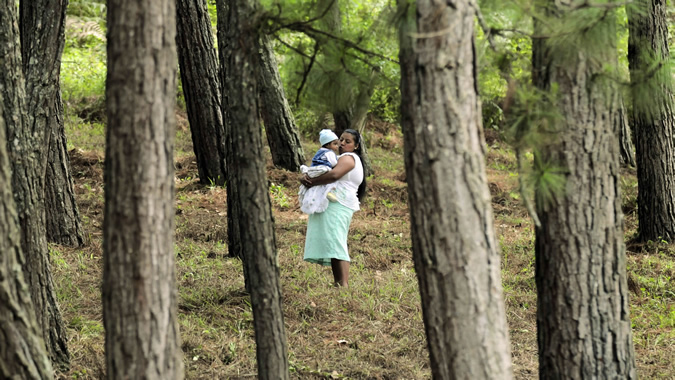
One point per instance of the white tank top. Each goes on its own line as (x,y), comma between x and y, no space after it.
(348,184)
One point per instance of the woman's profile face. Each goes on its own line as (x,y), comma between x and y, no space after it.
(347,143)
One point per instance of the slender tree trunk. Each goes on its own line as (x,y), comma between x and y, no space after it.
(583,325)
(22,353)
(64,225)
(27,114)
(247,183)
(42,41)
(627,155)
(139,290)
(234,244)
(454,247)
(282,133)
(201,86)
(349,113)
(654,117)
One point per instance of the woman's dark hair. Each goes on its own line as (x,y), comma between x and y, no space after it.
(358,141)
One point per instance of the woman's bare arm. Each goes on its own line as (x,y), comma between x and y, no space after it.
(344,165)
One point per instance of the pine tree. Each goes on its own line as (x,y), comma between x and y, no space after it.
(451,215)
(140,307)
(248,200)
(654,118)
(583,324)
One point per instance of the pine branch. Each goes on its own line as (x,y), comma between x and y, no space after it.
(372,66)
(306,73)
(484,25)
(314,33)
(587,4)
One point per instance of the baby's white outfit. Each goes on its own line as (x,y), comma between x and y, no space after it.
(313,200)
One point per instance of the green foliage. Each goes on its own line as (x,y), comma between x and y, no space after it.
(531,123)
(87,9)
(590,31)
(652,87)
(279,197)
(325,65)
(386,103)
(83,75)
(548,181)
(504,59)
(83,64)
(306,121)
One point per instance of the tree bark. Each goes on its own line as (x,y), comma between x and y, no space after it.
(247,182)
(627,154)
(64,225)
(583,324)
(234,244)
(139,290)
(42,26)
(282,133)
(28,98)
(22,353)
(654,118)
(201,87)
(454,247)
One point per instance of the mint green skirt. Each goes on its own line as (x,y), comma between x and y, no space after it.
(327,234)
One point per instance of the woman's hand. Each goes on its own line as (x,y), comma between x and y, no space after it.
(306,181)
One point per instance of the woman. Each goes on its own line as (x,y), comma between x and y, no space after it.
(326,241)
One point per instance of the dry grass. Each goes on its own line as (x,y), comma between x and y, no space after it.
(374,329)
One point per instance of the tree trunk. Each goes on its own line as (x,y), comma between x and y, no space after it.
(22,355)
(583,326)
(201,87)
(42,40)
(282,133)
(234,245)
(139,290)
(454,247)
(350,112)
(343,120)
(27,112)
(654,118)
(247,183)
(64,225)
(627,155)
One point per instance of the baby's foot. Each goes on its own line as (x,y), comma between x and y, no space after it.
(331,197)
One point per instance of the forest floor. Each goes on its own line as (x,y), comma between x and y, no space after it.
(372,330)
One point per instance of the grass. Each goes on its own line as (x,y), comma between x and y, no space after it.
(374,329)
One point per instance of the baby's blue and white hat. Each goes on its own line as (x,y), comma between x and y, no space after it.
(326,136)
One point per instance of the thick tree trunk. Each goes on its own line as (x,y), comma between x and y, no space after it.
(201,87)
(139,290)
(454,247)
(247,183)
(654,118)
(343,120)
(583,325)
(22,353)
(282,133)
(627,155)
(63,217)
(27,112)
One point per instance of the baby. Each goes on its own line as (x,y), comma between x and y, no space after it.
(314,199)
